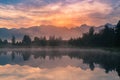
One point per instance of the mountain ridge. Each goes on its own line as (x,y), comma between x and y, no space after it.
(47,31)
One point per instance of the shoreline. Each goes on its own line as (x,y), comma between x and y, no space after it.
(93,49)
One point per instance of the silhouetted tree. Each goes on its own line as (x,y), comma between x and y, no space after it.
(117,33)
(13,40)
(43,41)
(91,31)
(86,40)
(18,43)
(26,40)
(54,41)
(107,36)
(88,37)
(36,41)
(0,40)
(40,41)
(5,42)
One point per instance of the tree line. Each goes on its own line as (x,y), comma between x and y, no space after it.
(27,41)
(107,37)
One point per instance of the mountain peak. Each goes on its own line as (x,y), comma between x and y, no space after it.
(84,25)
(110,25)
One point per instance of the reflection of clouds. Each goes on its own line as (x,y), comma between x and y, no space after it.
(16,72)
(50,59)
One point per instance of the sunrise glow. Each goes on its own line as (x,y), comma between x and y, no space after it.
(60,13)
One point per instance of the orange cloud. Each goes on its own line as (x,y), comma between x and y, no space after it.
(57,14)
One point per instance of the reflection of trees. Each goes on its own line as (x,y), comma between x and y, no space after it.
(55,54)
(108,61)
(39,54)
(13,55)
(3,52)
(26,55)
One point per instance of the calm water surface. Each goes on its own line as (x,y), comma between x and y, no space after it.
(83,64)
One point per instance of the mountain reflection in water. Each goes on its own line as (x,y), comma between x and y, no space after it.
(90,61)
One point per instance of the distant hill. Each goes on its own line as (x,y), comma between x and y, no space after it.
(47,31)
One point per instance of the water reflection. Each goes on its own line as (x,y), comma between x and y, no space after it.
(16,72)
(109,61)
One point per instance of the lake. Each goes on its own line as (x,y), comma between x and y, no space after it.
(59,64)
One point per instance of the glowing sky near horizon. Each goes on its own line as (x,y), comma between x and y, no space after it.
(65,13)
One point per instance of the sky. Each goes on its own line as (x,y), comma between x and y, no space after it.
(60,13)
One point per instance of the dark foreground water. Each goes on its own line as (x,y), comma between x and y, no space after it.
(59,64)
